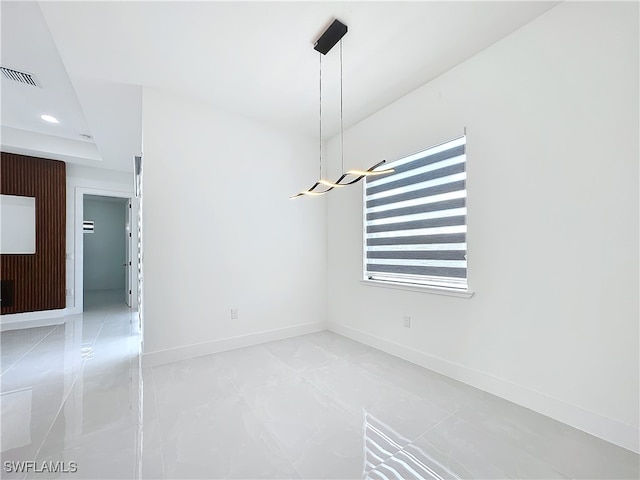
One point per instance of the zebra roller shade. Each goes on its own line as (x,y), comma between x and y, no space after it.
(415,219)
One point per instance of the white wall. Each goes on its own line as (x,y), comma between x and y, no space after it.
(552,120)
(105,249)
(221,233)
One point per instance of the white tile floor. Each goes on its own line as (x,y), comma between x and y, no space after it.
(69,392)
(316,406)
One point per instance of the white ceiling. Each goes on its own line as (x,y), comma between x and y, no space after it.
(255,59)
(28,46)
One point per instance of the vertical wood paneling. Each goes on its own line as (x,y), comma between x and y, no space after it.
(39,278)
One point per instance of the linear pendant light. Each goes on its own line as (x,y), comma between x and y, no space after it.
(332,35)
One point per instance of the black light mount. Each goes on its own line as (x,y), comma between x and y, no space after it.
(332,35)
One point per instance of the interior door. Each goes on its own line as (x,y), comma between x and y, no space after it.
(127,262)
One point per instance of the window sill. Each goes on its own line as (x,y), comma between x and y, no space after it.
(450,292)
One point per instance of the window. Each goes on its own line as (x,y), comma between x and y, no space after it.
(415,220)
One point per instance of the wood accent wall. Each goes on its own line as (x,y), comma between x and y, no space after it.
(38,279)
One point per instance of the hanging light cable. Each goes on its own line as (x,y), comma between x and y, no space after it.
(320,113)
(311,191)
(341,116)
(362,173)
(326,183)
(337,184)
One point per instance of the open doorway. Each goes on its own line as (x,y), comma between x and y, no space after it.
(107,251)
(107,248)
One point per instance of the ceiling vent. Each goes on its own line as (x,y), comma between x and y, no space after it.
(20,77)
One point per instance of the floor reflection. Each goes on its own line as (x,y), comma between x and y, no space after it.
(389,455)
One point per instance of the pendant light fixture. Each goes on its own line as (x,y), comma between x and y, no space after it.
(332,35)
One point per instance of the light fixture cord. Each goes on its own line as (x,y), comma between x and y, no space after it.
(320,109)
(341,120)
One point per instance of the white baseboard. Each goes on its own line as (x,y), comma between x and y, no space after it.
(152,359)
(608,429)
(41,318)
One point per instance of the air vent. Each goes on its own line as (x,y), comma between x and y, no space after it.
(20,77)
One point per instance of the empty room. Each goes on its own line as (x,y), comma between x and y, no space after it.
(342,240)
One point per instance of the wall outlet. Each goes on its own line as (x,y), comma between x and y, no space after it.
(69,292)
(234,314)
(406,321)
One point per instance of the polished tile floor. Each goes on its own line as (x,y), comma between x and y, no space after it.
(315,406)
(69,393)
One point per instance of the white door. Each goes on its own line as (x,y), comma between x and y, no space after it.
(127,262)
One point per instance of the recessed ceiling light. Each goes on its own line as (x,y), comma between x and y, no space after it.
(49,118)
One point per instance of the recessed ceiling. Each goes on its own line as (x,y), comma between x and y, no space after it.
(27,47)
(254,59)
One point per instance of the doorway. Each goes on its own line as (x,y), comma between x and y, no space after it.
(106,248)
(107,251)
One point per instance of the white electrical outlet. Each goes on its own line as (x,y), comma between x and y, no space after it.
(69,292)
(234,314)
(406,321)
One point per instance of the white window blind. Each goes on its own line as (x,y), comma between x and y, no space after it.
(415,219)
